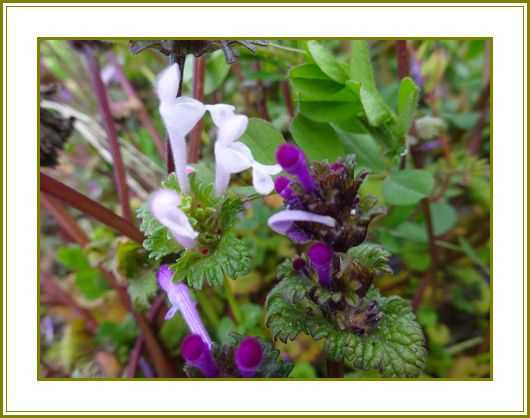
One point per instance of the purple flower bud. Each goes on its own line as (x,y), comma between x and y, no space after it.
(337,167)
(197,353)
(321,257)
(292,160)
(298,264)
(248,356)
(281,185)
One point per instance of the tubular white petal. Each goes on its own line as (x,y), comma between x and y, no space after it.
(232,129)
(262,177)
(167,84)
(282,222)
(222,179)
(163,204)
(220,112)
(234,158)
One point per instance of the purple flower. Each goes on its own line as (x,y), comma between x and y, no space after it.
(197,353)
(284,223)
(248,356)
(292,160)
(180,298)
(321,257)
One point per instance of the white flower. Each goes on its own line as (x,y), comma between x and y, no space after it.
(180,115)
(164,205)
(233,157)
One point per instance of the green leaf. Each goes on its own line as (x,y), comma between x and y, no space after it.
(371,257)
(327,62)
(324,112)
(366,149)
(376,110)
(318,140)
(263,139)
(91,283)
(407,103)
(395,347)
(231,258)
(312,84)
(73,257)
(407,187)
(158,242)
(361,70)
(443,216)
(216,71)
(142,290)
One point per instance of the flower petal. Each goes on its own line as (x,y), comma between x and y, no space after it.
(167,84)
(282,222)
(261,177)
(163,204)
(222,179)
(234,157)
(221,112)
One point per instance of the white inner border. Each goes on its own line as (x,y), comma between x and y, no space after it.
(508,27)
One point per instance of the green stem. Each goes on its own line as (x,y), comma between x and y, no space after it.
(232,302)
(206,307)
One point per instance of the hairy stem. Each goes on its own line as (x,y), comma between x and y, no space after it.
(114,145)
(141,111)
(199,67)
(89,207)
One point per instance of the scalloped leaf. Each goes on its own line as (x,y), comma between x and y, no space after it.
(231,258)
(396,347)
(371,257)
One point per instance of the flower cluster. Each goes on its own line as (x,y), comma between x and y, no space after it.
(180,115)
(323,208)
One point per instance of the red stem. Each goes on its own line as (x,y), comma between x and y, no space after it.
(262,100)
(141,111)
(88,206)
(286,90)
(199,67)
(104,108)
(403,59)
(136,352)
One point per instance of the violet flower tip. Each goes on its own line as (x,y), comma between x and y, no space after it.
(320,254)
(248,356)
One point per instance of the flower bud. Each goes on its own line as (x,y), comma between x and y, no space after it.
(197,353)
(321,257)
(292,160)
(248,356)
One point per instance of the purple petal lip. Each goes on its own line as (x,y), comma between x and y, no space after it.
(248,356)
(320,254)
(193,347)
(196,352)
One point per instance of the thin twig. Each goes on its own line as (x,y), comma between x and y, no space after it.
(199,67)
(286,91)
(89,207)
(114,145)
(140,109)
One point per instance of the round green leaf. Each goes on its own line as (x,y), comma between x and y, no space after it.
(318,140)
(444,217)
(407,187)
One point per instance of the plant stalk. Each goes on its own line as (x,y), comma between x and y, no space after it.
(232,302)
(108,122)
(199,69)
(89,207)
(141,111)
